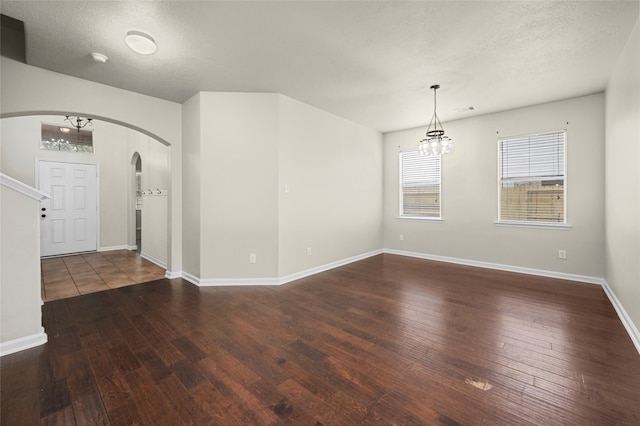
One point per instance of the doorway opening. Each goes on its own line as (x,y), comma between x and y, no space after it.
(138,200)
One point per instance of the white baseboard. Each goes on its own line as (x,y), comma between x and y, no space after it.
(155,260)
(23,343)
(221,282)
(132,248)
(498,266)
(207,282)
(112,248)
(191,278)
(328,266)
(632,330)
(173,274)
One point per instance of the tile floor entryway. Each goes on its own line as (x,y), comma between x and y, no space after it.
(74,275)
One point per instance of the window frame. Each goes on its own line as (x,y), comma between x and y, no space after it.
(533,224)
(401,214)
(85,147)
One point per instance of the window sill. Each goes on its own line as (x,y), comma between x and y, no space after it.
(559,226)
(419,218)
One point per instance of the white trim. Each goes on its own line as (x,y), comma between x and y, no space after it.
(220,282)
(328,266)
(422,219)
(628,324)
(536,225)
(132,248)
(401,214)
(501,267)
(39,160)
(22,188)
(23,343)
(112,248)
(191,278)
(173,274)
(155,260)
(564,225)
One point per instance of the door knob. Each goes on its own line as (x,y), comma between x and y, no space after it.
(44,209)
(43,215)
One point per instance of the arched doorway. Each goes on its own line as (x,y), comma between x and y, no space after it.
(115,144)
(135,217)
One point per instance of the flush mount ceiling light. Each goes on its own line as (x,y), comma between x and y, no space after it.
(99,57)
(436,142)
(78,122)
(140,42)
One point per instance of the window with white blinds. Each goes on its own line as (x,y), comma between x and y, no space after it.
(532,179)
(419,185)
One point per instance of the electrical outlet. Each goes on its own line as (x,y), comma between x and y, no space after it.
(562,254)
(401,237)
(309,253)
(252,258)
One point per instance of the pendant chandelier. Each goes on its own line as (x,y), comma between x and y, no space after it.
(78,122)
(435,142)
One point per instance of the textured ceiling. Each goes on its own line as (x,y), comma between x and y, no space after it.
(371,62)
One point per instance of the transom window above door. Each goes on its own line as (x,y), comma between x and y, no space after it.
(69,139)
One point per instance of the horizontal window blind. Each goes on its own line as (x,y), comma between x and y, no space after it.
(532,178)
(419,185)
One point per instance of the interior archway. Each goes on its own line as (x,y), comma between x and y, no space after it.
(93,116)
(135,203)
(129,241)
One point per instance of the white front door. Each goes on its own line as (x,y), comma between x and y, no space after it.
(68,222)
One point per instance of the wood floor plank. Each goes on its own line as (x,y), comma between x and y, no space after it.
(111,384)
(385,340)
(222,410)
(151,402)
(62,417)
(183,403)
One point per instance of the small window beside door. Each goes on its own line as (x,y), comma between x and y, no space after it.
(68,139)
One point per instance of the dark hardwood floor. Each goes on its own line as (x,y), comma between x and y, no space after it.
(387,340)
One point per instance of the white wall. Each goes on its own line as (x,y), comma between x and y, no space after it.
(20,300)
(248,147)
(156,176)
(623,179)
(191,184)
(239,174)
(469,192)
(333,169)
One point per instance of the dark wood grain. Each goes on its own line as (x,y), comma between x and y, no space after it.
(386,340)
